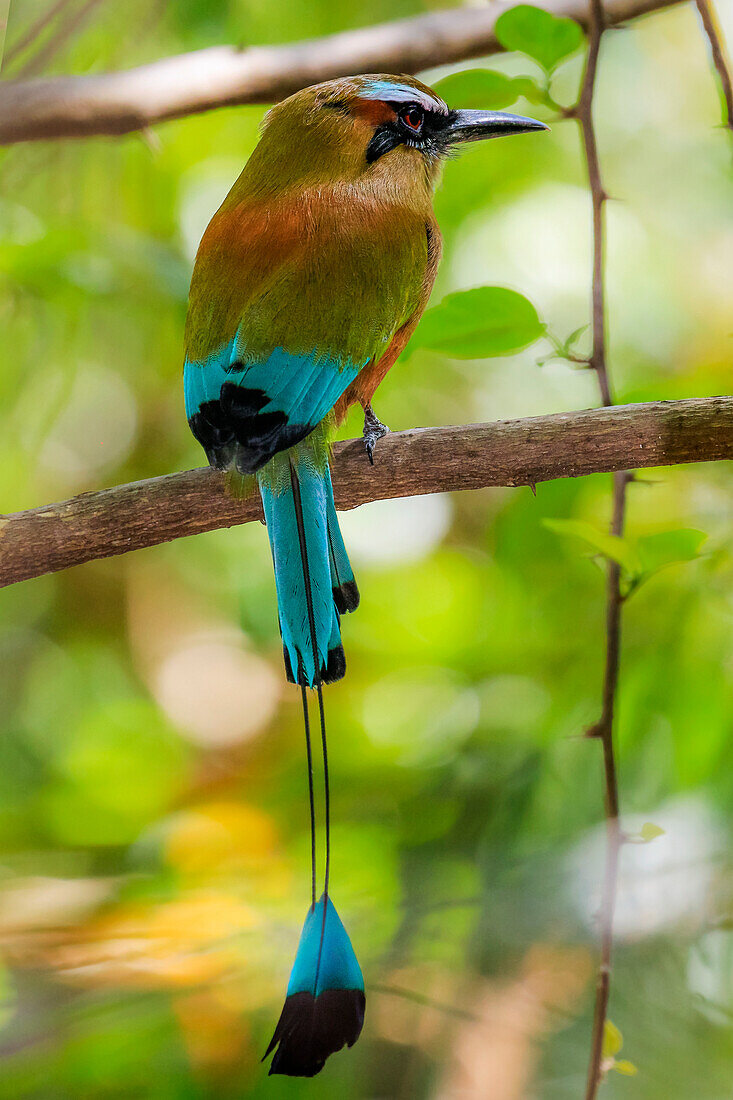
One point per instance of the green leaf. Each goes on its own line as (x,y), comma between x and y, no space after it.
(575,336)
(611,546)
(565,349)
(478,323)
(480,88)
(650,831)
(667,547)
(627,1068)
(612,1040)
(546,38)
(530,90)
(489,90)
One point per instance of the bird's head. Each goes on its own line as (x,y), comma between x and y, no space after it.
(376,126)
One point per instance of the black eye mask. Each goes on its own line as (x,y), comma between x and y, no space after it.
(400,131)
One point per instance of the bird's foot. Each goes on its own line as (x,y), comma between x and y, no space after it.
(374,429)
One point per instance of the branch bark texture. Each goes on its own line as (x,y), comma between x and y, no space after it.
(424,460)
(222,76)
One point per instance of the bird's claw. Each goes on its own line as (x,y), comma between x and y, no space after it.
(374,429)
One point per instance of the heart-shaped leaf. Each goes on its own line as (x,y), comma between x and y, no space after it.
(478,323)
(546,38)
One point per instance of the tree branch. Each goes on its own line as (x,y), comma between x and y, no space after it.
(221,76)
(717,50)
(603,729)
(424,460)
(583,111)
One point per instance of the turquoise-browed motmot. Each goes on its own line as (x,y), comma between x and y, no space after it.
(308,283)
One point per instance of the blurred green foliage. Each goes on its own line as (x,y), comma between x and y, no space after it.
(153,817)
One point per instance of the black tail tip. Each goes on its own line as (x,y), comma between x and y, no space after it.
(346,597)
(333,670)
(310,1029)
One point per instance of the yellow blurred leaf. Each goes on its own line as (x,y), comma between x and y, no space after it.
(219,835)
(612,1040)
(627,1068)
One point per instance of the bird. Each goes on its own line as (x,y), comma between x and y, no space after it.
(308,283)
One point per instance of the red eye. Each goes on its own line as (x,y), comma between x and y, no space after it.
(413,116)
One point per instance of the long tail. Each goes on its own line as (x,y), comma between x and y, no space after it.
(324,1005)
(314,569)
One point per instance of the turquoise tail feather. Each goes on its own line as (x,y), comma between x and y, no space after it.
(330,581)
(325,1002)
(325,958)
(345,590)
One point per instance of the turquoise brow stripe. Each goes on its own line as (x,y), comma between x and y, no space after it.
(385,89)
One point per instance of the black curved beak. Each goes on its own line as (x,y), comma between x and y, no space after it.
(479,125)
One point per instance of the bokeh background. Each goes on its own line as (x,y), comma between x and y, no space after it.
(153,817)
